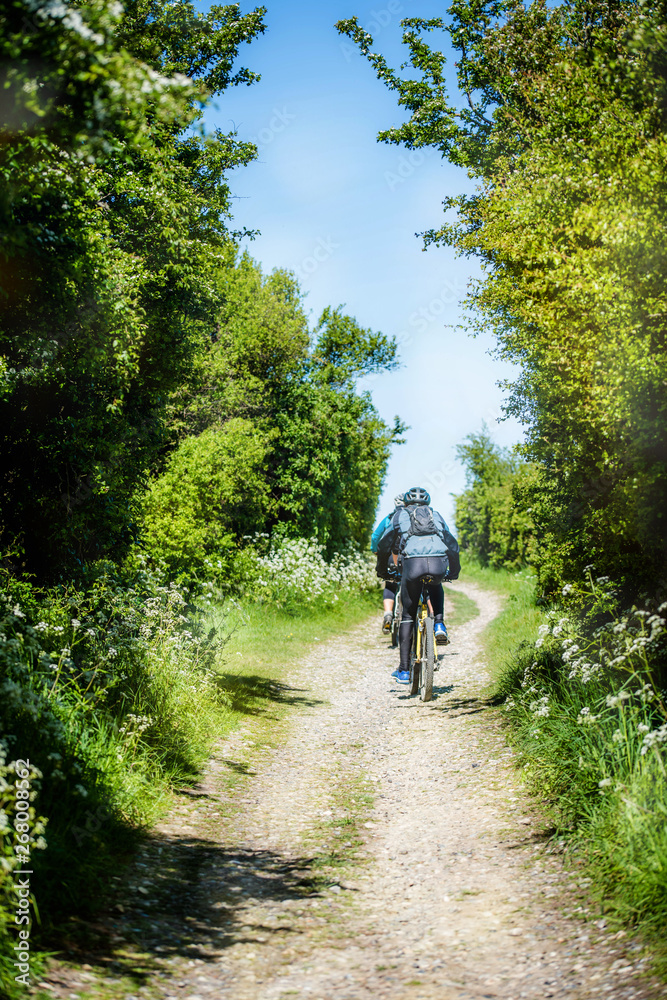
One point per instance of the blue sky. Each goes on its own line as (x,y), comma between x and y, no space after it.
(342,210)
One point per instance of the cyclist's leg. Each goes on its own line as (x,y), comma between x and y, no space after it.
(437,598)
(388,598)
(411,584)
(389,595)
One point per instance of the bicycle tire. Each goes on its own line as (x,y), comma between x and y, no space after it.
(396,621)
(427,663)
(414,663)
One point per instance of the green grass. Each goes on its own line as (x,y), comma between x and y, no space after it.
(616,835)
(461,607)
(518,620)
(265,642)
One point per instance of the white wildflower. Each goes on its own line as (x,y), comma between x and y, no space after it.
(613,700)
(540,708)
(586,718)
(654,738)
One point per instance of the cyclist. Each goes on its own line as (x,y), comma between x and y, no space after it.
(386,567)
(426,549)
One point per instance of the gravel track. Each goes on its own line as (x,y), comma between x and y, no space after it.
(384,849)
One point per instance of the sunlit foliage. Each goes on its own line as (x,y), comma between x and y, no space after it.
(115,223)
(560,116)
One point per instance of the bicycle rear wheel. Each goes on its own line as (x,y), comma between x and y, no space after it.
(414,662)
(427,662)
(396,621)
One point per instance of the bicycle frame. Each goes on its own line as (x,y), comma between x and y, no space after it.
(420,624)
(422,662)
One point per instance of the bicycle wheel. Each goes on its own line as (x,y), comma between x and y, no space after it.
(396,621)
(415,651)
(427,663)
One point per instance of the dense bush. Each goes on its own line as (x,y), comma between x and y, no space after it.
(114,219)
(212,491)
(108,692)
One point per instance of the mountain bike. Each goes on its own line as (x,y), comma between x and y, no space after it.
(422,652)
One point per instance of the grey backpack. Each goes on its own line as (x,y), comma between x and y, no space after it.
(422,522)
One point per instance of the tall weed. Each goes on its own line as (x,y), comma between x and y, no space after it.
(109,691)
(586,706)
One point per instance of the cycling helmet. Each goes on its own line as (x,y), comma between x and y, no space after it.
(399,501)
(417,495)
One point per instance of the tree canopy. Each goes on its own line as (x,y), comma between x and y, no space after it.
(560,117)
(115,225)
(272,434)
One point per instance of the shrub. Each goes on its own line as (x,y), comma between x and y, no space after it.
(108,691)
(212,490)
(293,573)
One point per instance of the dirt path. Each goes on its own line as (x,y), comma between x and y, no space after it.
(384,849)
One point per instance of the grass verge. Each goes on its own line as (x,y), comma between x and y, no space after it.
(519,618)
(262,642)
(585,713)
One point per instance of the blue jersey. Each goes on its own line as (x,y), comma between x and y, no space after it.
(379,531)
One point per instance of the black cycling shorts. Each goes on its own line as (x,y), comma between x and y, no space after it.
(434,568)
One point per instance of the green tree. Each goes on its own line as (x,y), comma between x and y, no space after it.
(114,218)
(493,523)
(317,450)
(560,117)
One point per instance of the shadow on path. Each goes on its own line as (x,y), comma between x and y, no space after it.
(187,897)
(252,694)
